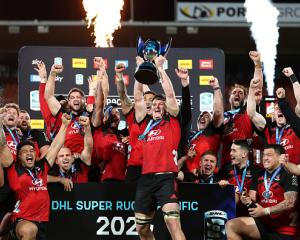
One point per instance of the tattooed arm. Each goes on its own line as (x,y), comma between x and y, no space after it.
(126,102)
(289,202)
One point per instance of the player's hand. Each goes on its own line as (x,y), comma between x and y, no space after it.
(255,57)
(259,211)
(66,119)
(288,71)
(67,183)
(280,93)
(56,69)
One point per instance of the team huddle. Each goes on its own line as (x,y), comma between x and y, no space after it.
(156,150)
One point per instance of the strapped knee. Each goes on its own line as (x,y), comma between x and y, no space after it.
(143,221)
(171,214)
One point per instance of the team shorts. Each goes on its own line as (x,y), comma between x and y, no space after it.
(155,189)
(133,173)
(269,234)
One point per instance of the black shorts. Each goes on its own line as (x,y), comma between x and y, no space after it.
(42,229)
(269,234)
(153,190)
(133,174)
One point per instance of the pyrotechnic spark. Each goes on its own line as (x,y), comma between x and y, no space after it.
(105,16)
(263,18)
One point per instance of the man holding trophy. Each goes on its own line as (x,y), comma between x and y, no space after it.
(160,135)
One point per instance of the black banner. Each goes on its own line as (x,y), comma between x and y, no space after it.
(105,211)
(202,63)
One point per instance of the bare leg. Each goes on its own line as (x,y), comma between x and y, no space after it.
(143,225)
(240,227)
(172,220)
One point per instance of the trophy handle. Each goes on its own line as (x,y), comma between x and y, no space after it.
(140,47)
(165,48)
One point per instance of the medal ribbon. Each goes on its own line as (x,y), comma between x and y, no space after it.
(33,176)
(241,184)
(279,134)
(150,126)
(268,185)
(13,136)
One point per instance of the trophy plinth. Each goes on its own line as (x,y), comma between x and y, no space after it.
(147,72)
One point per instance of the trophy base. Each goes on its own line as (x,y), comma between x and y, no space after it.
(146,74)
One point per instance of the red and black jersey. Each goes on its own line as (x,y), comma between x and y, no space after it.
(283,223)
(12,139)
(53,123)
(160,146)
(227,173)
(78,173)
(289,141)
(237,125)
(209,139)
(74,137)
(30,187)
(110,152)
(135,148)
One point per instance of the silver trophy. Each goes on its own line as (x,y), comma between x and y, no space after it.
(147,72)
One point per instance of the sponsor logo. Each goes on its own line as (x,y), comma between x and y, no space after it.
(95,66)
(206,64)
(34,78)
(34,100)
(74,126)
(79,63)
(58,60)
(37,123)
(12,145)
(79,79)
(58,78)
(37,182)
(204,80)
(269,109)
(166,64)
(206,102)
(188,64)
(154,133)
(125,62)
(284,142)
(196,12)
(36,62)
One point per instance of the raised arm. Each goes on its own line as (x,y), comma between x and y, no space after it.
(59,140)
(5,155)
(126,102)
(257,119)
(218,115)
(288,72)
(289,166)
(86,154)
(185,108)
(52,102)
(258,74)
(102,93)
(171,103)
(287,111)
(139,103)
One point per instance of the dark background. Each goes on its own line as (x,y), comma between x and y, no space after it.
(236,42)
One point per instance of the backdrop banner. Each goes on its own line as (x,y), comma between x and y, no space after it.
(105,211)
(202,63)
